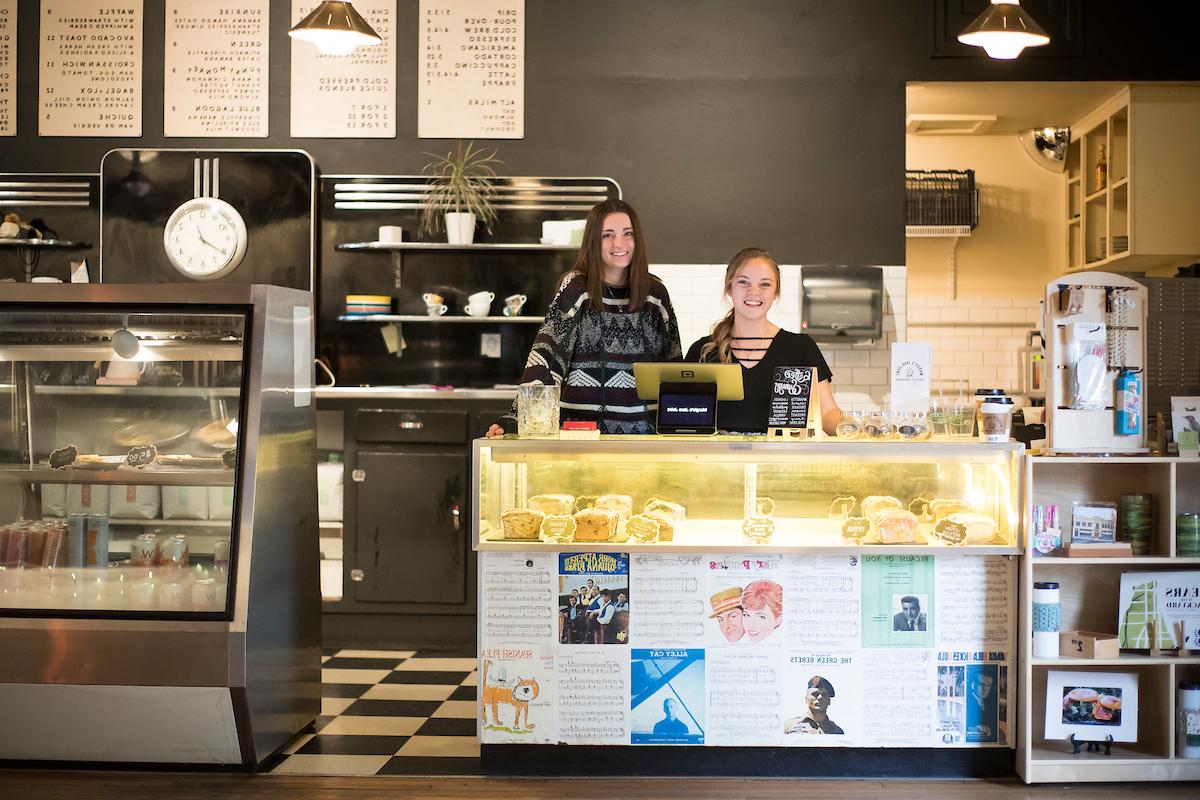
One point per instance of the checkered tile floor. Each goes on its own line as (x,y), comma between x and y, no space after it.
(391,712)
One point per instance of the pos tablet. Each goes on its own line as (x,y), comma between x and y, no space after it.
(687,394)
(649,375)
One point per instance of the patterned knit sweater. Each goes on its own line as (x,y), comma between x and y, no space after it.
(591,354)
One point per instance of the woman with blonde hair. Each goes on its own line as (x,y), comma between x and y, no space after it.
(609,312)
(745,336)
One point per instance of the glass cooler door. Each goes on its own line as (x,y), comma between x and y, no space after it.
(118,459)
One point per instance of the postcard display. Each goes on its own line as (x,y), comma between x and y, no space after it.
(807,639)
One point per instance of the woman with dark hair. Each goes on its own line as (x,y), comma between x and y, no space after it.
(609,313)
(745,336)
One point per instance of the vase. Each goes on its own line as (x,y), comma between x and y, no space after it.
(460,227)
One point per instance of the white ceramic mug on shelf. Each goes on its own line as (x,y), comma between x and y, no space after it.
(391,234)
(480,298)
(513,304)
(435,309)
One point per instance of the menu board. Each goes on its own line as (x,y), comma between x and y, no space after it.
(215,68)
(472,72)
(90,68)
(791,392)
(351,96)
(762,649)
(8,67)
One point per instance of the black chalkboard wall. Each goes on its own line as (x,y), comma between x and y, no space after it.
(773,122)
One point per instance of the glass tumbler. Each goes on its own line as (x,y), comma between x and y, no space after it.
(961,419)
(537,409)
(939,416)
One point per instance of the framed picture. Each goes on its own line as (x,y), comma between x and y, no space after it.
(1091,705)
(1185,421)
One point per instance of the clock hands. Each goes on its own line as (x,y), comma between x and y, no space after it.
(207,242)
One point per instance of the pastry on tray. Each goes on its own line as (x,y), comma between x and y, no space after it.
(521,524)
(941,508)
(873,504)
(620,503)
(896,526)
(596,524)
(665,508)
(217,435)
(552,503)
(981,529)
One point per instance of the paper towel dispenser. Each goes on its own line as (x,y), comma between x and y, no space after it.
(841,303)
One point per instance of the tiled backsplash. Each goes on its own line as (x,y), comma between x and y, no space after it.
(860,372)
(975,339)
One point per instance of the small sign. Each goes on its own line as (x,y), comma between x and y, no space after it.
(758,528)
(558,528)
(856,528)
(142,456)
(910,375)
(642,528)
(950,532)
(8,67)
(791,392)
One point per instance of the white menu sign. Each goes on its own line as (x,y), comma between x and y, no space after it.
(91,68)
(215,68)
(472,70)
(351,96)
(911,363)
(8,67)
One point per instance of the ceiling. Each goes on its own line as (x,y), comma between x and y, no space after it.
(1015,105)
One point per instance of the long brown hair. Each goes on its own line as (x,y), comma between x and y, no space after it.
(721,338)
(590,261)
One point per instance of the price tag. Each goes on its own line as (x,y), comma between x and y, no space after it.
(950,532)
(856,528)
(642,528)
(758,528)
(64,457)
(142,456)
(558,528)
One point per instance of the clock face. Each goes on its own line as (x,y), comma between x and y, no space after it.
(205,238)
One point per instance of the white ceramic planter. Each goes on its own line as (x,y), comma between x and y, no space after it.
(460,227)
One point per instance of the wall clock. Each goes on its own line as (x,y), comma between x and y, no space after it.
(205,237)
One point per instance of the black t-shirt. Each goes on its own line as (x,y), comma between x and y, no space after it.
(787,349)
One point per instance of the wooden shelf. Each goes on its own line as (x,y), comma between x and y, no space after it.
(1139,561)
(1096,195)
(438,247)
(1123,660)
(122,477)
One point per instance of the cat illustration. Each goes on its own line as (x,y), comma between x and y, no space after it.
(517,694)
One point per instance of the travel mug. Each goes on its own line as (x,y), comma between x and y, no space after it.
(1047,620)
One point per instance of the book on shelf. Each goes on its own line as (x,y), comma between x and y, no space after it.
(1099,550)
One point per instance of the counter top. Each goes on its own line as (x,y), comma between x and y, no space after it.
(411,393)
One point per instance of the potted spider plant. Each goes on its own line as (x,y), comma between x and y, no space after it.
(460,192)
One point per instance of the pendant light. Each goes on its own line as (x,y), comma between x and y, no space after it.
(335,28)
(1004,29)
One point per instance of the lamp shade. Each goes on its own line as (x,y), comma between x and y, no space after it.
(1047,145)
(335,28)
(1004,29)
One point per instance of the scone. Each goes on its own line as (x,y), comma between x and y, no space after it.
(981,529)
(943,507)
(875,503)
(596,524)
(552,503)
(896,526)
(521,524)
(620,503)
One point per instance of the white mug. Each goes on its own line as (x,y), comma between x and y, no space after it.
(479,309)
(121,370)
(480,298)
(435,309)
(391,234)
(432,299)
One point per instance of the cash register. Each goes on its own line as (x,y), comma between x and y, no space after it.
(687,394)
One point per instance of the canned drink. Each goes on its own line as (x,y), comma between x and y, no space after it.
(96,549)
(143,549)
(53,551)
(173,552)
(76,536)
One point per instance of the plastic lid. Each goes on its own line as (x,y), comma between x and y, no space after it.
(1046,585)
(989,392)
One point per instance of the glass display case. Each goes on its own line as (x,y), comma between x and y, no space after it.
(739,493)
(154,530)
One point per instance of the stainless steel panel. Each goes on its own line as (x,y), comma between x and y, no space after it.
(841,303)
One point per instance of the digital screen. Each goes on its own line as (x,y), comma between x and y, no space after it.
(687,410)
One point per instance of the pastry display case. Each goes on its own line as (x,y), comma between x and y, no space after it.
(154,542)
(733,494)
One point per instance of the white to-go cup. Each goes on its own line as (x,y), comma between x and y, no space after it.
(995,420)
(391,234)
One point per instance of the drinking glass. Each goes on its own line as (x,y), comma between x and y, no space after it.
(939,416)
(537,409)
(961,418)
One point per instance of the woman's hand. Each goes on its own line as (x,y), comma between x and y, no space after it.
(495,432)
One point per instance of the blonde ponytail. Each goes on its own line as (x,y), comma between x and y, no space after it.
(720,340)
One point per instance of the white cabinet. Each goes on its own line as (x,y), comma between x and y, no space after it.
(1142,216)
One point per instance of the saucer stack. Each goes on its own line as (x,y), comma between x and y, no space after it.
(362,305)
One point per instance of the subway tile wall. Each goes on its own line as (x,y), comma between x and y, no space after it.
(860,371)
(975,339)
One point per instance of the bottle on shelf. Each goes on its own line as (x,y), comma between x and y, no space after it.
(1101,170)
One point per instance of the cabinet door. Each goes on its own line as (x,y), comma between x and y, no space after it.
(411,545)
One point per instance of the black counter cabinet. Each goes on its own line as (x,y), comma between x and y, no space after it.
(409,573)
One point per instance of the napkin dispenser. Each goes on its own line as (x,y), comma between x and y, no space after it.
(841,303)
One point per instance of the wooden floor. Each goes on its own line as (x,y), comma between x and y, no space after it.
(22,784)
